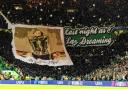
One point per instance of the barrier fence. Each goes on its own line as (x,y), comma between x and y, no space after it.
(66,82)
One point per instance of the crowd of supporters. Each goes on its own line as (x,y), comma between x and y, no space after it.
(66,12)
(90,63)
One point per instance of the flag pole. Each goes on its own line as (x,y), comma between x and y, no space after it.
(7,21)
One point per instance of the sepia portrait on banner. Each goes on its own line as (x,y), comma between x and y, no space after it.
(40,45)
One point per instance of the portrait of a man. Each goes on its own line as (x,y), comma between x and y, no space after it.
(39,43)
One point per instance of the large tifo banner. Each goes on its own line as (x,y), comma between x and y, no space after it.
(40,45)
(88,36)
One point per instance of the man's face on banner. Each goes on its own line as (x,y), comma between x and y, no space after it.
(38,33)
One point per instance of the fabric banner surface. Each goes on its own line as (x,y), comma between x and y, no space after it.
(40,45)
(88,36)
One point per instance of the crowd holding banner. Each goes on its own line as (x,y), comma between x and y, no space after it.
(34,34)
(45,45)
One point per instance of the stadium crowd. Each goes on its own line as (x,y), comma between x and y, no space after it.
(90,63)
(64,12)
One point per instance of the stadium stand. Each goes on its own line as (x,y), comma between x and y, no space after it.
(90,63)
